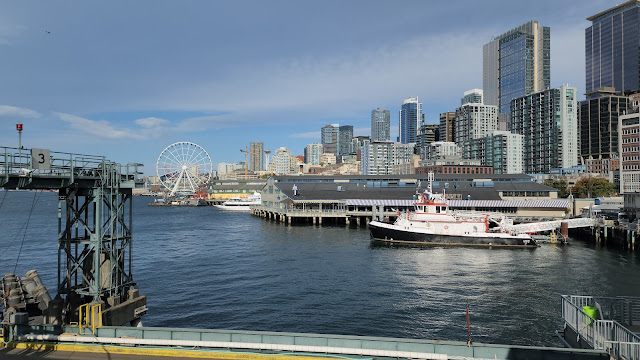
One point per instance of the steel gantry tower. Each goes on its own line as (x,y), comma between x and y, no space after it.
(95,216)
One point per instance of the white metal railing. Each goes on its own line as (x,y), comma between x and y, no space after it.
(608,335)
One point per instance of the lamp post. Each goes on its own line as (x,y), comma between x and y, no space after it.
(19,128)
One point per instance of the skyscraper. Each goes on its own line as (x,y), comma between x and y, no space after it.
(256,156)
(611,49)
(446,126)
(345,134)
(473,96)
(380,125)
(473,119)
(329,138)
(549,122)
(409,117)
(599,124)
(312,153)
(515,64)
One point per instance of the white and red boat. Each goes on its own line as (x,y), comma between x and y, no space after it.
(432,223)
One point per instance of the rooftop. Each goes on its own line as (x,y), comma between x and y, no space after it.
(591,18)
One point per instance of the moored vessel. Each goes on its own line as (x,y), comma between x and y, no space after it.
(432,223)
(240,203)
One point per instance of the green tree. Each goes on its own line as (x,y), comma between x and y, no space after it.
(265,176)
(597,187)
(560,184)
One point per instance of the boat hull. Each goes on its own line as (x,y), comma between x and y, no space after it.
(390,234)
(234,207)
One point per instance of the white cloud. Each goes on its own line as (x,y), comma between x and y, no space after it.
(436,67)
(6,110)
(307,135)
(98,128)
(151,122)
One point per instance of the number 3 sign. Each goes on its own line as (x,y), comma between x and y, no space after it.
(40,159)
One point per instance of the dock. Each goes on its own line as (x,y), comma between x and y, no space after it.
(119,342)
(611,324)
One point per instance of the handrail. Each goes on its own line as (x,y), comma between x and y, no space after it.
(85,319)
(607,335)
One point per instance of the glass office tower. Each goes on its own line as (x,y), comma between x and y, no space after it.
(515,64)
(611,49)
(409,117)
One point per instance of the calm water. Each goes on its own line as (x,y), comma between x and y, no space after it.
(205,268)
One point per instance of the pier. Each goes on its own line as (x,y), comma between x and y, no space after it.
(229,344)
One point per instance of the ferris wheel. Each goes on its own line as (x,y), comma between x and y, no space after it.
(183,168)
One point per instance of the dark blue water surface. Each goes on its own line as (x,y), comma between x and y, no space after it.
(205,268)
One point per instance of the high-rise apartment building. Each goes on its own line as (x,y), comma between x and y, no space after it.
(282,162)
(442,150)
(503,151)
(473,96)
(256,156)
(598,126)
(379,157)
(357,143)
(312,153)
(515,64)
(380,125)
(410,114)
(427,134)
(329,138)
(549,122)
(446,126)
(474,120)
(611,49)
(345,135)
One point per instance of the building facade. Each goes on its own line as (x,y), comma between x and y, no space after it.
(629,145)
(611,49)
(256,156)
(283,162)
(504,152)
(598,126)
(548,120)
(515,64)
(410,115)
(380,125)
(442,150)
(427,134)
(473,96)
(329,138)
(345,135)
(379,157)
(312,153)
(446,126)
(473,121)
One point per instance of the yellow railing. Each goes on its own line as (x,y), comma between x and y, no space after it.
(84,320)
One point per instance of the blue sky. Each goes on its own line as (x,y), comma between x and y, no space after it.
(125,79)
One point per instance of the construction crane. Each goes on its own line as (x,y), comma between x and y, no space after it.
(246,161)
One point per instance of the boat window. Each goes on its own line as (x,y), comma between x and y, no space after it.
(437,209)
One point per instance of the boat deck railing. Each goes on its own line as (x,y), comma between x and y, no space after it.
(611,333)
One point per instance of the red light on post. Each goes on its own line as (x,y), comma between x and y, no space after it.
(19,127)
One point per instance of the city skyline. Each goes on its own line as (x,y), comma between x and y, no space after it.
(127,85)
